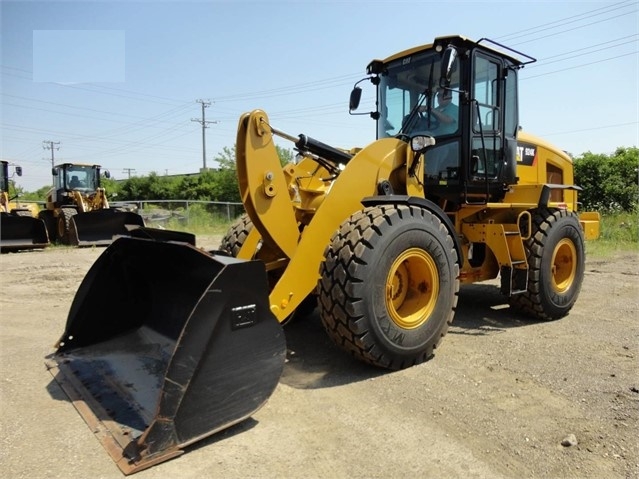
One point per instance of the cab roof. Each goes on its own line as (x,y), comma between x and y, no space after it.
(518,59)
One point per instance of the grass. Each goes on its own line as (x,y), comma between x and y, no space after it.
(619,233)
(203,228)
(198,220)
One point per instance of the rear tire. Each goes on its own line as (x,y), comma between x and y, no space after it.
(389,285)
(236,235)
(232,243)
(556,262)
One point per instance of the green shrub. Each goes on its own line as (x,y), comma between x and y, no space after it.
(610,183)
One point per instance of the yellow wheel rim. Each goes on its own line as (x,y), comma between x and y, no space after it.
(412,287)
(564,265)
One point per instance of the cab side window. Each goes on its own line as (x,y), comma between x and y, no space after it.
(487,119)
(486,93)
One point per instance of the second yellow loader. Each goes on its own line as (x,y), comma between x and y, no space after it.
(77,210)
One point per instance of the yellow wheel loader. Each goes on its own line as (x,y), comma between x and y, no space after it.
(19,227)
(77,209)
(166,343)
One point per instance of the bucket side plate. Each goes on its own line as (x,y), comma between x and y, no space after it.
(166,345)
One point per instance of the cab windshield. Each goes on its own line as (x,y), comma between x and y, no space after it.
(78,177)
(4,177)
(408,95)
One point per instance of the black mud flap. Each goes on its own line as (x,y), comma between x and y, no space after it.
(98,227)
(165,345)
(22,232)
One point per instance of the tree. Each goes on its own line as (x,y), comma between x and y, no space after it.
(610,183)
(226,187)
(621,187)
(286,155)
(111,186)
(226,158)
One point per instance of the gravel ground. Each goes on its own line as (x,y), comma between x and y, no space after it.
(498,399)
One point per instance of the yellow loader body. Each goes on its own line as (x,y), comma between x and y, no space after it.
(166,343)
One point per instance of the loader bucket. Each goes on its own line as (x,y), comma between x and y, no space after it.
(22,232)
(98,227)
(166,344)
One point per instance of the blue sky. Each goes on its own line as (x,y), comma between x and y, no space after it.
(116,83)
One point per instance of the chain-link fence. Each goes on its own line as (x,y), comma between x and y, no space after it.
(185,213)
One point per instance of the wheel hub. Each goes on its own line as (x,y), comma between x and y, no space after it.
(412,288)
(564,265)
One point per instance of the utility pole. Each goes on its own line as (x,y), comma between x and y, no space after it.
(204,123)
(50,145)
(128,171)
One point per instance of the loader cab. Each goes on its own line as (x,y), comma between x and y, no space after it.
(473,160)
(4,186)
(74,177)
(4,176)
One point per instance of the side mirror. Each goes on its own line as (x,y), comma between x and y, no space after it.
(448,66)
(19,170)
(106,174)
(54,171)
(356,96)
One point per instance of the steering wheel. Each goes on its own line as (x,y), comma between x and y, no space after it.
(427,121)
(423,122)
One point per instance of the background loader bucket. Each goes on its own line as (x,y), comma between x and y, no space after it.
(99,226)
(22,232)
(166,344)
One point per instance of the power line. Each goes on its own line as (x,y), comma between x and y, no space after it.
(306,113)
(565,21)
(129,94)
(572,29)
(128,171)
(544,61)
(597,128)
(205,104)
(579,66)
(50,145)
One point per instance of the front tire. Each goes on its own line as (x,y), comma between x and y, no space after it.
(389,285)
(64,225)
(556,262)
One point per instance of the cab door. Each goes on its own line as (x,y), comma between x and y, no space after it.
(493,128)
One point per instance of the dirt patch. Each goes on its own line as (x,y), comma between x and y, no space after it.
(497,400)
